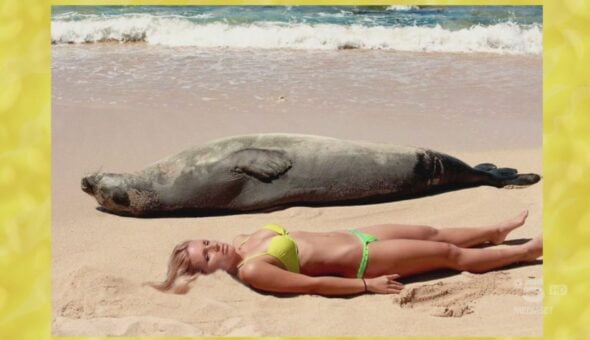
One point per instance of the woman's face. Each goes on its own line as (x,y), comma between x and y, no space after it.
(210,256)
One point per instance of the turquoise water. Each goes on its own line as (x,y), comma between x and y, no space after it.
(451,17)
(488,29)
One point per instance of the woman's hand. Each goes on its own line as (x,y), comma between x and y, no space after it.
(385,284)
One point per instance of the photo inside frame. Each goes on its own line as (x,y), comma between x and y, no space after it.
(133,85)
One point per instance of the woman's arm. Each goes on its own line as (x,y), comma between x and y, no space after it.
(265,276)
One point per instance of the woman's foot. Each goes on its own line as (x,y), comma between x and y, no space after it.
(534,248)
(506,227)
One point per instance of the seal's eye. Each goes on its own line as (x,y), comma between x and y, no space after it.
(120,197)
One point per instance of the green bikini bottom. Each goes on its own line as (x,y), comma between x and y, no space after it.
(365,240)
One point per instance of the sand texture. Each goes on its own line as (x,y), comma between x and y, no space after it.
(101,260)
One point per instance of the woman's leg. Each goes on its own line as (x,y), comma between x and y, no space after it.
(407,257)
(462,237)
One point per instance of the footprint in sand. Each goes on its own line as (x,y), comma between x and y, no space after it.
(455,299)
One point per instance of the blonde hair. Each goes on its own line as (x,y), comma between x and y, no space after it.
(179,269)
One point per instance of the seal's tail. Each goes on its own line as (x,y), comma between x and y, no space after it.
(507,177)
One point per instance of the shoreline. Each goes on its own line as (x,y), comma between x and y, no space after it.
(113,43)
(399,98)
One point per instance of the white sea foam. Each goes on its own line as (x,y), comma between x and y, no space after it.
(504,38)
(401,8)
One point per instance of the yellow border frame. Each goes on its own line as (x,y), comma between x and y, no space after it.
(25,157)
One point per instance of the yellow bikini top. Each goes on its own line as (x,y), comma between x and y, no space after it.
(282,247)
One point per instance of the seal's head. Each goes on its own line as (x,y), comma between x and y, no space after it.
(117,193)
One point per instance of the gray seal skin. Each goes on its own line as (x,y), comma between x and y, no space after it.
(267,171)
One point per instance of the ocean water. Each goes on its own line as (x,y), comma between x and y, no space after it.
(466,29)
(423,76)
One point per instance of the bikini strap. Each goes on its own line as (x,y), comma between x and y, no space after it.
(244,241)
(276,228)
(250,258)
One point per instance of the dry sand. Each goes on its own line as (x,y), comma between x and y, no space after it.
(100,260)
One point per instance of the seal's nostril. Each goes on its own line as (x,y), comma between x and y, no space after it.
(87,186)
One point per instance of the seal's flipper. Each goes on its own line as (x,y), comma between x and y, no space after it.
(504,177)
(504,173)
(485,167)
(265,165)
(510,178)
(522,180)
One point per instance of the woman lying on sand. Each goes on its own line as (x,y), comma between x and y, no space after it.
(368,259)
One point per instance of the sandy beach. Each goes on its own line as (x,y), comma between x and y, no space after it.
(121,107)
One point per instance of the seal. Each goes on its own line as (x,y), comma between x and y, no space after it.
(269,171)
